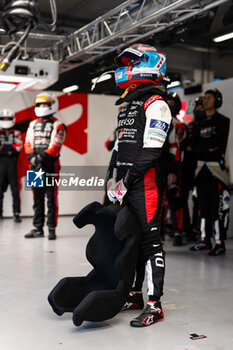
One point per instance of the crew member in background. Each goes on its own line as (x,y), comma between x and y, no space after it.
(189,164)
(44,140)
(10,145)
(177,135)
(134,172)
(212,176)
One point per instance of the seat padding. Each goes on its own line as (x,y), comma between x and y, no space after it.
(113,252)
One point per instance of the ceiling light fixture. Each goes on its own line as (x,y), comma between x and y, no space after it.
(70,88)
(101,78)
(224,37)
(173,84)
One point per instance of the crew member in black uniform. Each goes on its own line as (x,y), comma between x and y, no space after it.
(212,176)
(189,164)
(10,145)
(44,140)
(174,169)
(134,174)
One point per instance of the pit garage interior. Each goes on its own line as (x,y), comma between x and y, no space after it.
(69,44)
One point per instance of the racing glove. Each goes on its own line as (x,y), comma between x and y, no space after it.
(120,190)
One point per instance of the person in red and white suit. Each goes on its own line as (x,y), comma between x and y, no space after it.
(44,140)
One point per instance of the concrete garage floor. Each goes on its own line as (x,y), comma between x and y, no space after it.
(197,297)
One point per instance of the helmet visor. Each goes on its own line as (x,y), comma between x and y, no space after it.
(130,57)
(3,118)
(45,104)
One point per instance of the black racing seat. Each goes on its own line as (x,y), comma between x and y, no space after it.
(113,252)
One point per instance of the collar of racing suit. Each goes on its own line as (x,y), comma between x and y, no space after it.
(141,91)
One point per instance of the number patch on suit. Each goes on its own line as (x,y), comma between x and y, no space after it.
(159,260)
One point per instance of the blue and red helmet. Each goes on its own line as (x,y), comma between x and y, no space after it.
(140,64)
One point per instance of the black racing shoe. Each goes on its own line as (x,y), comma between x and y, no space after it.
(218,249)
(35,233)
(17,218)
(178,240)
(134,301)
(201,245)
(152,313)
(52,234)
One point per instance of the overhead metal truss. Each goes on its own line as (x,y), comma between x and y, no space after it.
(127,23)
